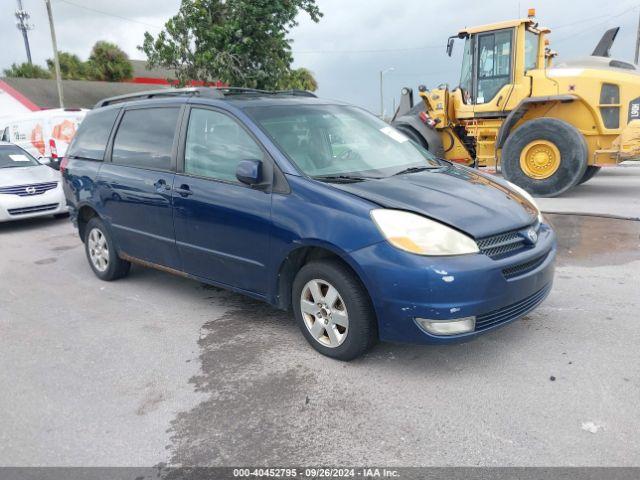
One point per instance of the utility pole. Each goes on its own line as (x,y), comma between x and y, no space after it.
(638,40)
(55,53)
(382,72)
(23,25)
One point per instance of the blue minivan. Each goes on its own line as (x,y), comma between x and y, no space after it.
(308,204)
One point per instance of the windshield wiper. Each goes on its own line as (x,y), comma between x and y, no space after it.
(415,169)
(342,178)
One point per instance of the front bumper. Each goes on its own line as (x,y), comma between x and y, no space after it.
(404,287)
(15,207)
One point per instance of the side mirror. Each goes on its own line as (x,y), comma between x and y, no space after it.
(249,172)
(450,46)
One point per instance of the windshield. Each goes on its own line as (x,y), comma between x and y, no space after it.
(12,156)
(335,140)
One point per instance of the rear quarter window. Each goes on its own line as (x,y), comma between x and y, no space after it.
(90,141)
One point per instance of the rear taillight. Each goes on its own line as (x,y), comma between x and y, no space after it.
(53,148)
(63,164)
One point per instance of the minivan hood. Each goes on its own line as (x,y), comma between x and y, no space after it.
(13,176)
(458,196)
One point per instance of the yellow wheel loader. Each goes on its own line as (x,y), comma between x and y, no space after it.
(547,128)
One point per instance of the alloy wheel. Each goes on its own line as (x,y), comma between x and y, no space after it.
(324,313)
(98,249)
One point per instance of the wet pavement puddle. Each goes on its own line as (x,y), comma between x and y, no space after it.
(592,241)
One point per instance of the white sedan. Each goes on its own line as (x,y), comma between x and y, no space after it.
(28,188)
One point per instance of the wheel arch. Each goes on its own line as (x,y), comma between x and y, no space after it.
(522,108)
(302,254)
(85,213)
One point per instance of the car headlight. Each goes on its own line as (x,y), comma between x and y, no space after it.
(527,197)
(417,234)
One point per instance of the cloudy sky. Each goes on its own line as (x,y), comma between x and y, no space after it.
(354,40)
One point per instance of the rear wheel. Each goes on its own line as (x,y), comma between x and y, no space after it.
(333,310)
(545,156)
(591,172)
(101,252)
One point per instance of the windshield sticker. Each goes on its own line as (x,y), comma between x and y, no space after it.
(393,133)
(19,158)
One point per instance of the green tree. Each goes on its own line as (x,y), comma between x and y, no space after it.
(71,67)
(298,79)
(27,70)
(241,42)
(109,63)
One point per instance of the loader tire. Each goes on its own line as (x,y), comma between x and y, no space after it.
(545,156)
(591,172)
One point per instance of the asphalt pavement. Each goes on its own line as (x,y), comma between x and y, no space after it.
(156,369)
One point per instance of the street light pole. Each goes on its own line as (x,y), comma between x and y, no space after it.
(382,72)
(56,61)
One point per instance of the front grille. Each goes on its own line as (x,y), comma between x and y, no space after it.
(29,190)
(513,311)
(503,244)
(522,268)
(499,245)
(37,208)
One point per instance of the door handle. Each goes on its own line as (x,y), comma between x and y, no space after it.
(162,185)
(183,191)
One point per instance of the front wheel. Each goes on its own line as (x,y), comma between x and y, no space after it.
(545,156)
(333,310)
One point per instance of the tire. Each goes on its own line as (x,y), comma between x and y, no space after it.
(563,143)
(350,316)
(97,241)
(591,172)
(413,135)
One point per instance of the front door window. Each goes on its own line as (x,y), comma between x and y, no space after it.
(466,75)
(493,64)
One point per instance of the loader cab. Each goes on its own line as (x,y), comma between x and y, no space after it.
(487,66)
(494,64)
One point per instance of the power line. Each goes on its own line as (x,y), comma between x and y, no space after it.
(110,14)
(580,32)
(363,51)
(381,50)
(405,49)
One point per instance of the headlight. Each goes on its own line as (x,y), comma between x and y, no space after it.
(527,197)
(417,234)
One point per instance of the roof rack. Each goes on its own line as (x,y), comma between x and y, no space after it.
(208,92)
(243,90)
(165,92)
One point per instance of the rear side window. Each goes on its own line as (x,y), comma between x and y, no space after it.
(91,140)
(145,138)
